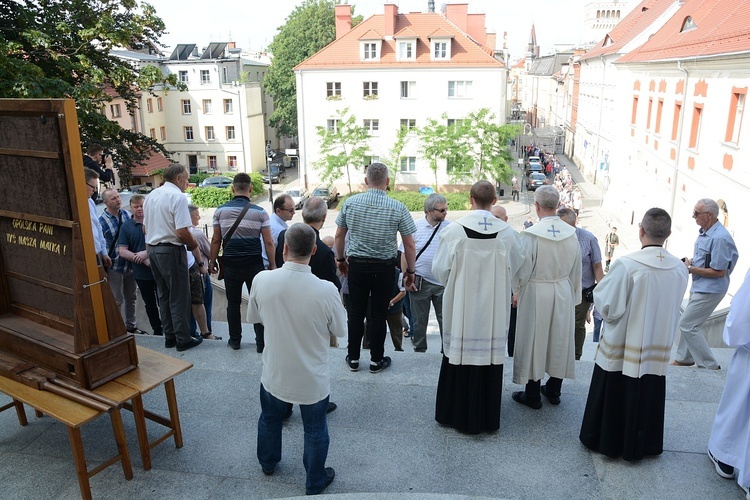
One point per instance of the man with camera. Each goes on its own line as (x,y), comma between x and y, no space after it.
(101,163)
(427,289)
(591,274)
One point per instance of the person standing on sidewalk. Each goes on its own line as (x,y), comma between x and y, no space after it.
(714,258)
(428,289)
(296,368)
(610,242)
(242,257)
(640,304)
(591,274)
(476,259)
(372,220)
(547,289)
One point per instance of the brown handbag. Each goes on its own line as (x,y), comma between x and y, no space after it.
(225,240)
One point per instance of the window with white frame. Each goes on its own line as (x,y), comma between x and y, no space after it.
(459,88)
(211,162)
(408,90)
(228,106)
(455,122)
(210,135)
(188,132)
(150,105)
(332,125)
(207,106)
(152,133)
(163,133)
(369,160)
(205,77)
(734,118)
(333,89)
(410,124)
(232,162)
(183,76)
(115,111)
(159,104)
(440,49)
(186,107)
(230,133)
(372,125)
(369,89)
(369,51)
(406,50)
(408,163)
(225,74)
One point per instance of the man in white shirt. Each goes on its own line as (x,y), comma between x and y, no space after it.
(100,244)
(295,359)
(430,291)
(167,224)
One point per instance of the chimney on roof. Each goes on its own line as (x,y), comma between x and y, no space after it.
(475,28)
(231,45)
(491,41)
(431,6)
(343,20)
(391,11)
(458,14)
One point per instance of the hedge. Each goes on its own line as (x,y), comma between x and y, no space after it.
(414,201)
(212,197)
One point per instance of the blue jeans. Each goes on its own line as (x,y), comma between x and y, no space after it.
(597,328)
(315,424)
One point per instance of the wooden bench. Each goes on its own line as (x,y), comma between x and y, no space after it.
(73,415)
(154,369)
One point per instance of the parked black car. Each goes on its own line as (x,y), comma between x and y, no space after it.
(277,173)
(328,193)
(534,180)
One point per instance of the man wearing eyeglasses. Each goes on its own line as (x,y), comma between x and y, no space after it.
(428,289)
(714,258)
(100,244)
(94,159)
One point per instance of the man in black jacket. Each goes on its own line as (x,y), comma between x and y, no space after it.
(322,262)
(94,159)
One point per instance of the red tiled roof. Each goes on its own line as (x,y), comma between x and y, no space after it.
(632,25)
(722,27)
(406,33)
(371,35)
(154,162)
(344,52)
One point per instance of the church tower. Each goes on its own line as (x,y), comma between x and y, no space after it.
(532,50)
(601,16)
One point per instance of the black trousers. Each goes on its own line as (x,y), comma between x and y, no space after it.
(369,280)
(148,294)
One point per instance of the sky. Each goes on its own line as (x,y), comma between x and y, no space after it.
(253,24)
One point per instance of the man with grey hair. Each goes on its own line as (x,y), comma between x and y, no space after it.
(372,220)
(427,289)
(714,258)
(591,273)
(296,368)
(167,225)
(547,288)
(639,301)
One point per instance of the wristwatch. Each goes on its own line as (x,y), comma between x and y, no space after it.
(409,271)
(201,264)
(342,259)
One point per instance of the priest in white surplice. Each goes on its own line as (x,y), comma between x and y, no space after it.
(475,261)
(548,287)
(729,445)
(639,300)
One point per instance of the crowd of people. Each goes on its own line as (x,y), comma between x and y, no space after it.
(492,288)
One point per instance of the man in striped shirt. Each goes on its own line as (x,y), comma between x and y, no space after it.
(372,220)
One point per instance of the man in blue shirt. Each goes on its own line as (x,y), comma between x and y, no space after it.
(714,258)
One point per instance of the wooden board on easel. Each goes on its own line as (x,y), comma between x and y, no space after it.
(56,307)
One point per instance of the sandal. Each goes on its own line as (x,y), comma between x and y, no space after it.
(210,336)
(406,332)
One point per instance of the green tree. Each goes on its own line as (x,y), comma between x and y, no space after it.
(310,27)
(440,141)
(341,146)
(394,158)
(61,49)
(488,150)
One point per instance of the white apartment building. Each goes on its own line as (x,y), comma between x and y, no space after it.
(217,124)
(398,69)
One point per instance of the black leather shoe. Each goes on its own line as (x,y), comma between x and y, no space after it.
(259,348)
(234,344)
(331,407)
(330,474)
(189,344)
(553,399)
(168,344)
(520,397)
